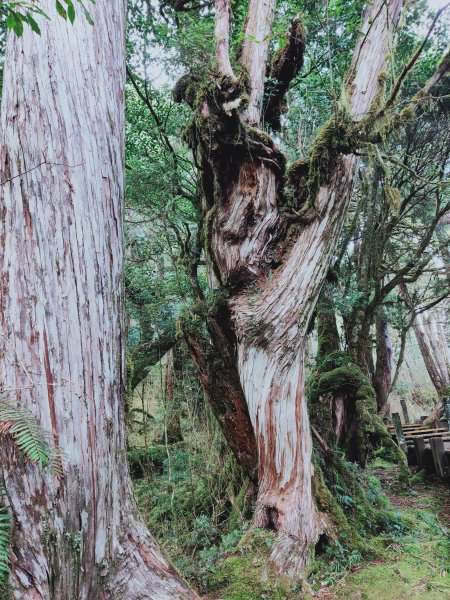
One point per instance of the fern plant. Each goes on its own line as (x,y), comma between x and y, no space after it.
(29,437)
(5,540)
(34,442)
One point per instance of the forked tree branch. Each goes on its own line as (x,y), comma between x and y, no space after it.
(285,66)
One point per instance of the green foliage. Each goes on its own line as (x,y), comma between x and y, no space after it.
(23,12)
(29,437)
(5,540)
(33,442)
(339,560)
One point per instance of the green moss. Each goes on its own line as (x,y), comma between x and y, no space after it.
(415,566)
(392,581)
(306,175)
(247,575)
(337,373)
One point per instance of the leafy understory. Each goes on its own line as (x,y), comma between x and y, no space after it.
(224,557)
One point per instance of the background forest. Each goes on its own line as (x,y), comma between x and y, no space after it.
(376,340)
(389,273)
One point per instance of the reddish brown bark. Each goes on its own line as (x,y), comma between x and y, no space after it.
(217,368)
(273,282)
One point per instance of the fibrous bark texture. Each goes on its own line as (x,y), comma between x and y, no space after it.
(429,328)
(272,281)
(254,53)
(382,379)
(62,356)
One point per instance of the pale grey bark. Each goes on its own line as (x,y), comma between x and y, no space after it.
(62,349)
(254,53)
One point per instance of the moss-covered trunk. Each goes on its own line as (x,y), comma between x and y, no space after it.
(272,268)
(382,379)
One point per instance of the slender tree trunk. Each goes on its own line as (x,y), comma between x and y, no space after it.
(432,340)
(430,334)
(217,368)
(61,163)
(172,413)
(271,306)
(383,371)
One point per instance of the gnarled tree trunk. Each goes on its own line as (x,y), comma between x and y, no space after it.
(273,282)
(62,344)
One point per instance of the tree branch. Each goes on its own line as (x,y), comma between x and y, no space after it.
(285,66)
(254,54)
(407,68)
(222,37)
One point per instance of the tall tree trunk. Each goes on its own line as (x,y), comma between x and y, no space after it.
(271,305)
(432,340)
(383,371)
(172,425)
(429,329)
(62,348)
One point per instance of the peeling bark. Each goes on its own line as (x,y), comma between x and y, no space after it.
(61,163)
(254,54)
(273,275)
(222,34)
(271,316)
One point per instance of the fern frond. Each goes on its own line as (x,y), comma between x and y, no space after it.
(5,540)
(31,439)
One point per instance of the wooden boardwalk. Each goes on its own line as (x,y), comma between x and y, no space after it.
(426,447)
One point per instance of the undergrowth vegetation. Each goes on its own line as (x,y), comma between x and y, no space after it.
(199,505)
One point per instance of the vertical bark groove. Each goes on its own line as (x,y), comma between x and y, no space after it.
(62,352)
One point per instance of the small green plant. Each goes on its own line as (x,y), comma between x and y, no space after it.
(339,560)
(5,540)
(32,440)
(24,12)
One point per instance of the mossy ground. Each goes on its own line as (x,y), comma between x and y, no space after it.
(413,556)
(199,507)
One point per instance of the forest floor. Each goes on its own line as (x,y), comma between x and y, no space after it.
(415,565)
(192,496)
(413,562)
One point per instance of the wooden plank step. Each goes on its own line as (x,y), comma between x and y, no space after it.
(428,434)
(418,426)
(428,445)
(422,431)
